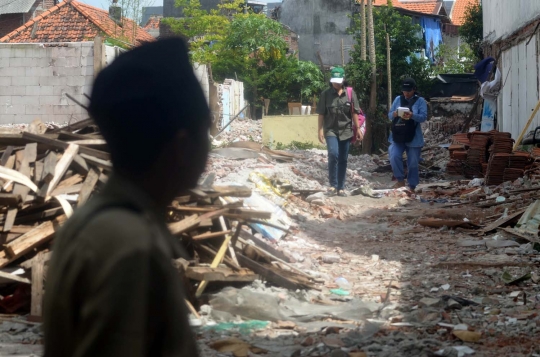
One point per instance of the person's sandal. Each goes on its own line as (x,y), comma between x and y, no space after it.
(342,193)
(331,192)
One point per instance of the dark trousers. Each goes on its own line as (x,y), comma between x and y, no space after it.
(338,151)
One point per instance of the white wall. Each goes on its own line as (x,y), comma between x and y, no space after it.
(502,17)
(34,80)
(520,91)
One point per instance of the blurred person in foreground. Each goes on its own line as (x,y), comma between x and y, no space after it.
(111,287)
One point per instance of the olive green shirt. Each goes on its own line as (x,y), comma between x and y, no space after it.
(337,113)
(111,287)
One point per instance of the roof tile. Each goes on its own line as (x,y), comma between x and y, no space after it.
(458,11)
(423,6)
(73,21)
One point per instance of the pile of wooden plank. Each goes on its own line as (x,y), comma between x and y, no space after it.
(47,173)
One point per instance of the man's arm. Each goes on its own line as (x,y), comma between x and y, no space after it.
(321,110)
(393,109)
(419,111)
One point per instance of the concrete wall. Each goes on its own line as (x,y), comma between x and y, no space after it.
(288,128)
(503,17)
(321,25)
(34,80)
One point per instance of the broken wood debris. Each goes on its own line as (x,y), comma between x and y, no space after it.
(45,176)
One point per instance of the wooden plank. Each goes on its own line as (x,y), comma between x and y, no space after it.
(192,222)
(79,165)
(67,190)
(10,162)
(9,199)
(244,214)
(8,278)
(233,239)
(500,222)
(102,164)
(220,274)
(70,181)
(210,235)
(230,191)
(38,216)
(62,166)
(261,243)
(53,143)
(266,273)
(19,139)
(88,185)
(49,165)
(36,237)
(6,155)
(215,263)
(67,136)
(10,219)
(38,171)
(89,142)
(38,268)
(212,253)
(30,155)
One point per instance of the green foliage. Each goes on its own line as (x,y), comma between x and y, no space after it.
(405,40)
(454,60)
(249,47)
(296,145)
(472,29)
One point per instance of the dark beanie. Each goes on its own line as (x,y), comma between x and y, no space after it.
(143,98)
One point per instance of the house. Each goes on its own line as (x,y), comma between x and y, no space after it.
(74,21)
(511,36)
(149,11)
(152,25)
(15,13)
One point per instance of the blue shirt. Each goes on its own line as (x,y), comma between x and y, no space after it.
(419,110)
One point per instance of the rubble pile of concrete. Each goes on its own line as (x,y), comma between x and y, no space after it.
(240,130)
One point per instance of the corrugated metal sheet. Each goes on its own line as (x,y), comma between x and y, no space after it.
(15,6)
(502,17)
(520,92)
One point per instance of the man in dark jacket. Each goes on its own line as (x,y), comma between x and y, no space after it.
(111,288)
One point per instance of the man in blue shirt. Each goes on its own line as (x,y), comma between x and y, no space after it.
(400,142)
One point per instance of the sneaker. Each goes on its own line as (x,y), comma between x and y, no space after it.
(399,184)
(331,192)
(342,193)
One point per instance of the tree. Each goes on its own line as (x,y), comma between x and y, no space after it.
(454,60)
(131,10)
(405,41)
(249,47)
(368,140)
(363,45)
(472,29)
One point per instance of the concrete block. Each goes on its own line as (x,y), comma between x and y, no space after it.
(18,90)
(76,81)
(14,109)
(31,71)
(66,71)
(87,51)
(22,62)
(72,90)
(25,100)
(12,71)
(5,52)
(51,99)
(88,80)
(18,51)
(5,100)
(5,81)
(45,90)
(39,109)
(66,109)
(45,71)
(73,61)
(32,90)
(7,118)
(53,81)
(87,71)
(87,90)
(25,81)
(35,52)
(87,61)
(6,90)
(43,61)
(4,62)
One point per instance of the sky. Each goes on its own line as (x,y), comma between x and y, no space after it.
(104,4)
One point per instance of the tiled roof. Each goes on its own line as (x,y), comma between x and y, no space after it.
(153,23)
(423,6)
(15,6)
(458,11)
(73,21)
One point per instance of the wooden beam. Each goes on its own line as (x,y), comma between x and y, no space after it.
(62,166)
(75,126)
(103,164)
(36,237)
(219,274)
(9,199)
(58,144)
(79,165)
(5,156)
(10,219)
(215,263)
(266,273)
(38,268)
(88,185)
(30,155)
(192,222)
(67,190)
(210,235)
